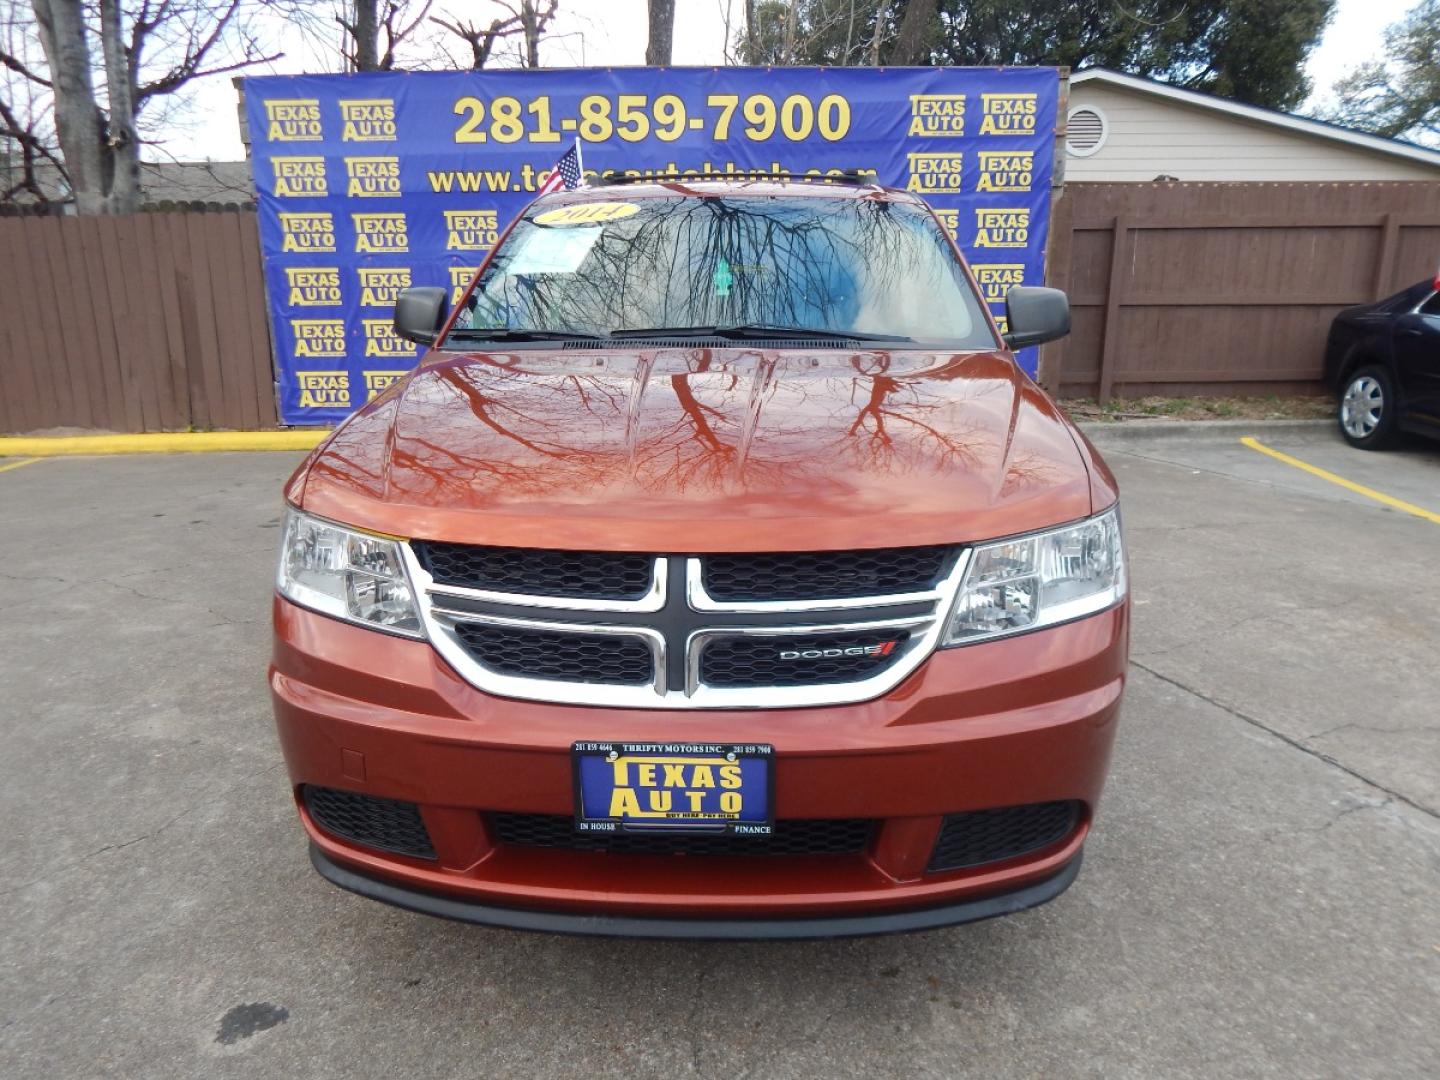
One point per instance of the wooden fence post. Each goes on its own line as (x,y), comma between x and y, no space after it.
(1119,256)
(1389,234)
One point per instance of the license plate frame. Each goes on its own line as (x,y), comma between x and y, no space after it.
(593,769)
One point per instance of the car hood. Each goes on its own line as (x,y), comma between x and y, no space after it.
(704,450)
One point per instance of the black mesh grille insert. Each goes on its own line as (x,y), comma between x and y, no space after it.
(839,836)
(387,824)
(824,575)
(984,836)
(550,654)
(799,661)
(601,575)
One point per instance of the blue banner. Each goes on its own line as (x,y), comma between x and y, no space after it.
(369,184)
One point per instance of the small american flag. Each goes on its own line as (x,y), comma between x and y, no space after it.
(567,171)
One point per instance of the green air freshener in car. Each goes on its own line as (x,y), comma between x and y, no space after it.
(723,278)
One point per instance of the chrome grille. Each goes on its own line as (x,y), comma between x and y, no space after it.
(790,631)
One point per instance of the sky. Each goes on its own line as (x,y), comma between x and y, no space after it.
(613,32)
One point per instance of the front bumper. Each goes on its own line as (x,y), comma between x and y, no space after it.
(696,929)
(1027,719)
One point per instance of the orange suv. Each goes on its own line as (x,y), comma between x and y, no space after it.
(716,573)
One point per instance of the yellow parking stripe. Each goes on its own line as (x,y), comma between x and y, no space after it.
(16,464)
(177,442)
(1348,485)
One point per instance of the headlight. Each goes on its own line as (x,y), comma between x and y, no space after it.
(352,575)
(1028,582)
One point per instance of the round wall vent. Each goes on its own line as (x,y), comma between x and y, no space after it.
(1086,130)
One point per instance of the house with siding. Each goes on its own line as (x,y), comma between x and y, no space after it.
(1125,128)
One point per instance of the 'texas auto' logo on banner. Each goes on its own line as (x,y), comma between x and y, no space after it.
(372,177)
(471,230)
(380,233)
(1009,114)
(997,227)
(308,232)
(939,173)
(380,285)
(1006,170)
(381,339)
(317,338)
(312,286)
(367,120)
(298,177)
(293,120)
(937,115)
(997,279)
(323,389)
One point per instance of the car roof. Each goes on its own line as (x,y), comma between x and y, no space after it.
(742,187)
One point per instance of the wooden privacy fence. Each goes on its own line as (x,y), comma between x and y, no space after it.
(146,322)
(157,322)
(1224,288)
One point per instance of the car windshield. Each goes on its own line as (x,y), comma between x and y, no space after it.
(770,265)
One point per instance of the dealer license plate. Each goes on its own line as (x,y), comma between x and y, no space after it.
(674,787)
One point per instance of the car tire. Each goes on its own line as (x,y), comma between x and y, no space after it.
(1368,408)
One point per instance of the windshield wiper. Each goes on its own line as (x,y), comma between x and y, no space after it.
(742,331)
(503,333)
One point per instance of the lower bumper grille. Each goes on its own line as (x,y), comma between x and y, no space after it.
(386,824)
(837,836)
(986,836)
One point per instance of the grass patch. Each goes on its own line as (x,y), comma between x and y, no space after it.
(1272,407)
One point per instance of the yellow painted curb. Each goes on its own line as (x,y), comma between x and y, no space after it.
(179,442)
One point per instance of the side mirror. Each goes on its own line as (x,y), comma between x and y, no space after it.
(1035,315)
(420,313)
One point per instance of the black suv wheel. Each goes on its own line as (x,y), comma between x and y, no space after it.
(1368,408)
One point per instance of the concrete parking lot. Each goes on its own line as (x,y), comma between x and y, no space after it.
(1261,896)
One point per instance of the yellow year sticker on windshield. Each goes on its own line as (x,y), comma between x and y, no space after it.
(589,213)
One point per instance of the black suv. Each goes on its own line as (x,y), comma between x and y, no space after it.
(1384,360)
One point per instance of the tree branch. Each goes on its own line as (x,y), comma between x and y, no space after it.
(15,65)
(190,65)
(169,82)
(481,42)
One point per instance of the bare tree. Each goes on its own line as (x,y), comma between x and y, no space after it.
(81,113)
(727,19)
(533,23)
(365,22)
(364,31)
(662,33)
(525,20)
(482,41)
